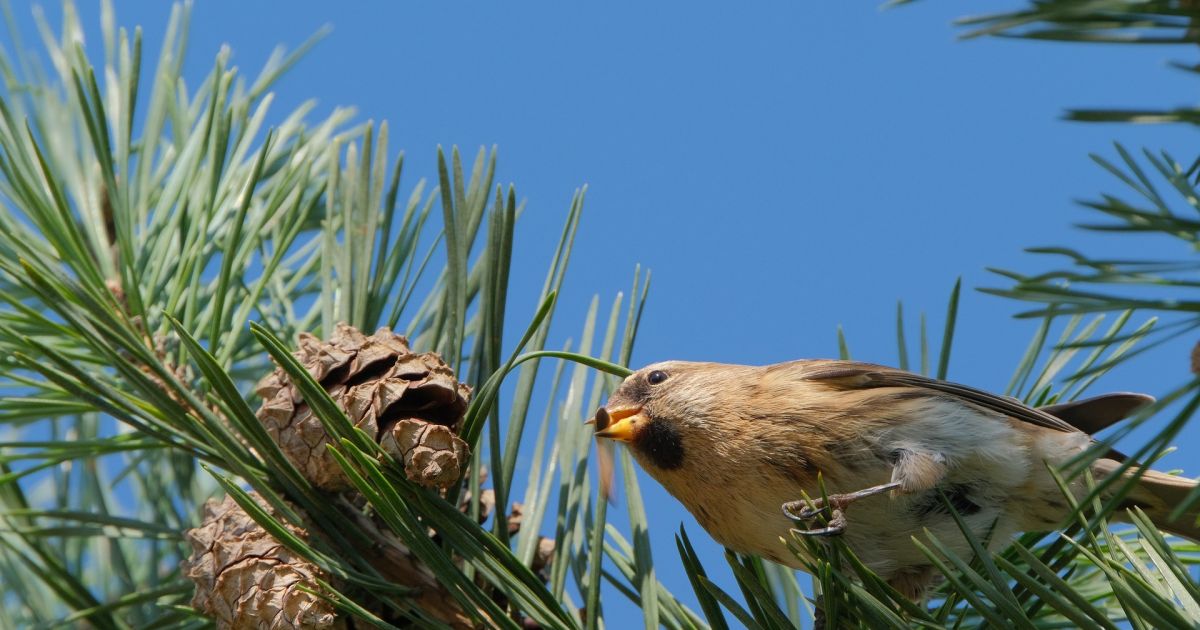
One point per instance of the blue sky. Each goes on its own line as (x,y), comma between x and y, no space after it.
(783,168)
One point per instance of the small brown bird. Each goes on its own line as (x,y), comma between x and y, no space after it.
(739,446)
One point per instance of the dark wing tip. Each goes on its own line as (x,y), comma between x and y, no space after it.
(1095,414)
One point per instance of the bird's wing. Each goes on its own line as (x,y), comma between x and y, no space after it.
(855,375)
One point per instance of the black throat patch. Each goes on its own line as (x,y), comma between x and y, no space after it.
(661,444)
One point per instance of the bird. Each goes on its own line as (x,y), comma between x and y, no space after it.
(746,448)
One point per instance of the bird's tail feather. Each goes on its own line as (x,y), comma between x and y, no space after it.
(1158,494)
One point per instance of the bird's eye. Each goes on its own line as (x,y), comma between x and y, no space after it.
(656,377)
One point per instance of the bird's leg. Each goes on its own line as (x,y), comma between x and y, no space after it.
(913,470)
(836,504)
(917,470)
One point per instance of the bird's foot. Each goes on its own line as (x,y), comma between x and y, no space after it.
(835,504)
(835,526)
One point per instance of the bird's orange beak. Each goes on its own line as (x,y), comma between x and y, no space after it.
(619,424)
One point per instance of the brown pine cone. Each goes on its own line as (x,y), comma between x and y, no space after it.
(411,403)
(246,579)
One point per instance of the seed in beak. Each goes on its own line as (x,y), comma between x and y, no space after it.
(601,419)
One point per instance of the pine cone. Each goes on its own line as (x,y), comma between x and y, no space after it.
(411,403)
(543,556)
(246,579)
(487,504)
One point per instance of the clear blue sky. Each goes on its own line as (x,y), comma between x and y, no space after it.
(781,167)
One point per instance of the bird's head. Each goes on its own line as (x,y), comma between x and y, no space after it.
(662,409)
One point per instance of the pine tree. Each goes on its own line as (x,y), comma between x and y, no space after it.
(252,378)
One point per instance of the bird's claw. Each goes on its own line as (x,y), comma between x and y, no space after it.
(834,527)
(809,513)
(807,510)
(834,504)
(804,510)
